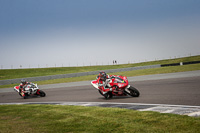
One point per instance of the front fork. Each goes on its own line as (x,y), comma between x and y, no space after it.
(126,90)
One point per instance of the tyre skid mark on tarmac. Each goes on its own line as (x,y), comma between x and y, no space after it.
(193,111)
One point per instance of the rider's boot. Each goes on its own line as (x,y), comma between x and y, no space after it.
(106,90)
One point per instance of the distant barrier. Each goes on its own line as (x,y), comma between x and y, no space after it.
(181,63)
(41,78)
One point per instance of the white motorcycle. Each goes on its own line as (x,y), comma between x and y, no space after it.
(29,90)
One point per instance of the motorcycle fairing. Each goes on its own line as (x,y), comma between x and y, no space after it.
(95,84)
(16,88)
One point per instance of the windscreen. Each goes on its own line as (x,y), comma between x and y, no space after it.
(119,80)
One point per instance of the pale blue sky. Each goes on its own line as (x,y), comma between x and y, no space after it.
(90,32)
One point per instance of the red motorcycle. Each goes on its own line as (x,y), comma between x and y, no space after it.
(120,87)
(29,90)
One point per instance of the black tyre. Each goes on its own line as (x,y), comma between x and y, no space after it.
(25,96)
(133,92)
(108,95)
(42,93)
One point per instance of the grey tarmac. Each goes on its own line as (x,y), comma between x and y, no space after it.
(177,93)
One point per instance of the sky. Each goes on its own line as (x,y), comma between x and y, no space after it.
(63,33)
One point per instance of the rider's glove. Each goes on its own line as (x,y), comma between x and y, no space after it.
(100,84)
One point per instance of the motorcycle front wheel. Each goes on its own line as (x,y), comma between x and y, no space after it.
(133,92)
(42,93)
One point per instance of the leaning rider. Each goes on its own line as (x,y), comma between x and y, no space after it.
(103,81)
(23,84)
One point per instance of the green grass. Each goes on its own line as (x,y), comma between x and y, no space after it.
(74,119)
(171,69)
(23,73)
(160,70)
(52,71)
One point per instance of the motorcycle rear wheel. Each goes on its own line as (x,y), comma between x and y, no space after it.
(25,96)
(133,92)
(108,95)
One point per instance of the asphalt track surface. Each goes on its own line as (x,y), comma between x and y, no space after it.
(176,93)
(173,90)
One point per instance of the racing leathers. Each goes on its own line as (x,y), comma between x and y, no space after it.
(104,85)
(23,85)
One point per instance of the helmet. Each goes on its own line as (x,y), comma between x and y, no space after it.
(23,81)
(102,75)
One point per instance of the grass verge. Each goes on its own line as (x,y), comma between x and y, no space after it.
(58,118)
(160,70)
(23,73)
